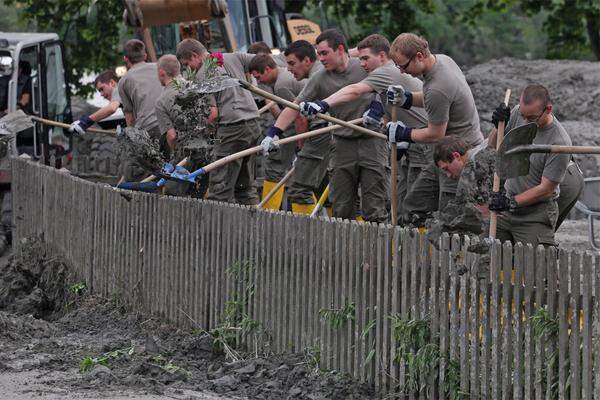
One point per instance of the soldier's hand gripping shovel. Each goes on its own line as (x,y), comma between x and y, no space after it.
(496,185)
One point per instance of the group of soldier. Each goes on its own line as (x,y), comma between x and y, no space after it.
(419,100)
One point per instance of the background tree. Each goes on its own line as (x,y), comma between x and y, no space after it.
(90,30)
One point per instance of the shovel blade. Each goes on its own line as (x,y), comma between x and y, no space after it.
(514,165)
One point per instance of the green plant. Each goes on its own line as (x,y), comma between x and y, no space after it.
(77,288)
(363,336)
(168,366)
(545,328)
(312,358)
(338,317)
(88,363)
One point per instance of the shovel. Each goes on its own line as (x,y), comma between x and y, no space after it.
(496,186)
(548,148)
(508,163)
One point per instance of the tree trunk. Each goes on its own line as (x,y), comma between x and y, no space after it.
(593,29)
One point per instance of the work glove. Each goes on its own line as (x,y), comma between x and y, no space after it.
(398,132)
(397,96)
(81,125)
(501,113)
(500,201)
(268,143)
(311,108)
(401,150)
(373,117)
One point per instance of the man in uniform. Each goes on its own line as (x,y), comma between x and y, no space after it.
(139,90)
(450,107)
(238,128)
(357,159)
(263,48)
(528,207)
(106,85)
(373,53)
(284,85)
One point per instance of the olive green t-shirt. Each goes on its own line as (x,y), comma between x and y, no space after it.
(419,155)
(324,83)
(166,108)
(448,98)
(139,89)
(235,104)
(286,86)
(549,166)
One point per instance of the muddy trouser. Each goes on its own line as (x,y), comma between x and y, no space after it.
(430,192)
(532,224)
(571,188)
(360,162)
(132,170)
(407,175)
(279,162)
(234,182)
(310,168)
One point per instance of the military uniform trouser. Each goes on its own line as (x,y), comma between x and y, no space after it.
(279,162)
(430,192)
(234,182)
(571,188)
(532,224)
(407,175)
(311,166)
(360,162)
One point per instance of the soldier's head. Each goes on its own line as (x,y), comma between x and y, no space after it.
(264,69)
(411,53)
(191,53)
(259,48)
(300,57)
(106,82)
(373,52)
(134,52)
(450,155)
(332,49)
(535,105)
(168,69)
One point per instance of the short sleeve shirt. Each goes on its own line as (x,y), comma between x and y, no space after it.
(235,104)
(549,166)
(166,108)
(286,86)
(448,98)
(324,83)
(139,89)
(419,155)
(114,96)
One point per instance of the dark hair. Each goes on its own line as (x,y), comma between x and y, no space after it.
(301,49)
(376,43)
(106,76)
(260,62)
(259,48)
(135,51)
(536,92)
(334,39)
(442,150)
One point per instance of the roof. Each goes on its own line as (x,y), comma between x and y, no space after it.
(26,38)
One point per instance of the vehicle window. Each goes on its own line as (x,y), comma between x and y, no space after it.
(56,89)
(28,98)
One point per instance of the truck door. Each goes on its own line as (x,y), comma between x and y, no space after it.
(29,97)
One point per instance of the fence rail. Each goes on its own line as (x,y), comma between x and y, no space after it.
(375,301)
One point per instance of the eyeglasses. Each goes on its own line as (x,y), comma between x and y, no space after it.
(403,67)
(534,119)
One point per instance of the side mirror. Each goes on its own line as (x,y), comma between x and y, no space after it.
(6,65)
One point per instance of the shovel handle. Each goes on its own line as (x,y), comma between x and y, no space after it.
(67,126)
(496,185)
(282,182)
(394,175)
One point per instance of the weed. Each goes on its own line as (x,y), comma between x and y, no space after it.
(78,288)
(88,363)
(312,358)
(338,317)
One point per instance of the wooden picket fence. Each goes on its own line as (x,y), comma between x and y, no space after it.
(521,325)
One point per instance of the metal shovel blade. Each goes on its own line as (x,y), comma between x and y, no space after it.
(514,165)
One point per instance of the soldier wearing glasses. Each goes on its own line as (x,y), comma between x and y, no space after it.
(450,107)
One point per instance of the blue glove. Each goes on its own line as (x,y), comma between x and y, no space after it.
(311,108)
(398,132)
(81,125)
(397,96)
(373,117)
(402,149)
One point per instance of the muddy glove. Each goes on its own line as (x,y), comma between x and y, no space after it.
(311,108)
(501,113)
(81,125)
(268,143)
(373,117)
(500,201)
(398,132)
(397,96)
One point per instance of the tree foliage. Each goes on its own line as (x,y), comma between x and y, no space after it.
(89,30)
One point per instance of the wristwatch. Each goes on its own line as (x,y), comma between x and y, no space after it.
(512,203)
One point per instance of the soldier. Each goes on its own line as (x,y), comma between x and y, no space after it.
(237,129)
(373,53)
(106,85)
(528,207)
(263,48)
(284,85)
(139,90)
(357,159)
(450,108)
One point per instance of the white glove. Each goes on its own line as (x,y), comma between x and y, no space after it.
(268,144)
(393,128)
(396,95)
(311,108)
(77,128)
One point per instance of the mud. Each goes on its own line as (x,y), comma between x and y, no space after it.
(137,144)
(95,348)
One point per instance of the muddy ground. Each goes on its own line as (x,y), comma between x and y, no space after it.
(57,342)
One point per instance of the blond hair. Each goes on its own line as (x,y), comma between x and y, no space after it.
(170,65)
(188,47)
(409,44)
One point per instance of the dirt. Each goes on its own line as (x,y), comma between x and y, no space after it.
(89,347)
